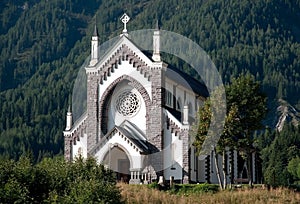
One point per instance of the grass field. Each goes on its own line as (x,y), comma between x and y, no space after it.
(144,194)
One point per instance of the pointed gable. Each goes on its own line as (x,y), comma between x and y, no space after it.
(125,48)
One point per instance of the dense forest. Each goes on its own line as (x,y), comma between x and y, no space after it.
(44,43)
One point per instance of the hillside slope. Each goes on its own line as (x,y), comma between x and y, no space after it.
(44,45)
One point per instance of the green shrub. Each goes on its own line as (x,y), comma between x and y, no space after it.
(56,181)
(199,188)
(153,185)
(186,189)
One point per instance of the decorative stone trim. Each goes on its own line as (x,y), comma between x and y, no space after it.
(108,136)
(77,125)
(135,177)
(149,174)
(78,130)
(173,123)
(174,128)
(123,54)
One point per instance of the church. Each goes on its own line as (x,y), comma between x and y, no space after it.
(138,116)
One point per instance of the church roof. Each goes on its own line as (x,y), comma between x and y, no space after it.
(186,80)
(182,78)
(131,132)
(134,134)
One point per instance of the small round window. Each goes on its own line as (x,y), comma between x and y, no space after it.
(127,103)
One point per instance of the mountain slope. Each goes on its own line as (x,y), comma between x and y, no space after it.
(43,47)
(287,114)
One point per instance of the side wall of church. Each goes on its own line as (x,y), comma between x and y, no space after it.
(172,155)
(92,107)
(183,96)
(188,159)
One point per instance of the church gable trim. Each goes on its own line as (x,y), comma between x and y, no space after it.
(124,53)
(125,42)
(116,131)
(123,50)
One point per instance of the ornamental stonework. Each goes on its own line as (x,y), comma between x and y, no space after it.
(127,103)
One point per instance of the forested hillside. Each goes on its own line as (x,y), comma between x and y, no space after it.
(44,43)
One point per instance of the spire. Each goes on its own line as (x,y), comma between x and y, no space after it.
(96,31)
(69,119)
(156,44)
(95,47)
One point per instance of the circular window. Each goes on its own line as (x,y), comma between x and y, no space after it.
(127,103)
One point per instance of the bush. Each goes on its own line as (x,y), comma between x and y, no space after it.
(153,185)
(199,188)
(186,189)
(56,181)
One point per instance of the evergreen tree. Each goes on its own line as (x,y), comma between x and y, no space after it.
(280,155)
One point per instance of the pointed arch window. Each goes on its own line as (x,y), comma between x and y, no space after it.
(169,98)
(178,104)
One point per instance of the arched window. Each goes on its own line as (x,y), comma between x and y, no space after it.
(178,104)
(190,108)
(169,98)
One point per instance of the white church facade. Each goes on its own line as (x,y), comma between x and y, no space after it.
(139,115)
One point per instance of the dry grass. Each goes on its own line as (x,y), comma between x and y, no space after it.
(142,194)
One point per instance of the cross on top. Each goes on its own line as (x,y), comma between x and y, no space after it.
(125,18)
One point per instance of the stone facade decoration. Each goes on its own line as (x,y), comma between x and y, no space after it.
(128,126)
(127,103)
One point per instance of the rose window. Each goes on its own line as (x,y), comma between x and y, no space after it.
(127,103)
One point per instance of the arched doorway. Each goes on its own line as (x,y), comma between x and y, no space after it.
(117,160)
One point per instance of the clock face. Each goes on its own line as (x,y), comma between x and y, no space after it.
(127,103)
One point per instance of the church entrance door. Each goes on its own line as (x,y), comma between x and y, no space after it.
(117,160)
(123,171)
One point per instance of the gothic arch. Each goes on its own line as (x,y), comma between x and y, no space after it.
(106,97)
(122,148)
